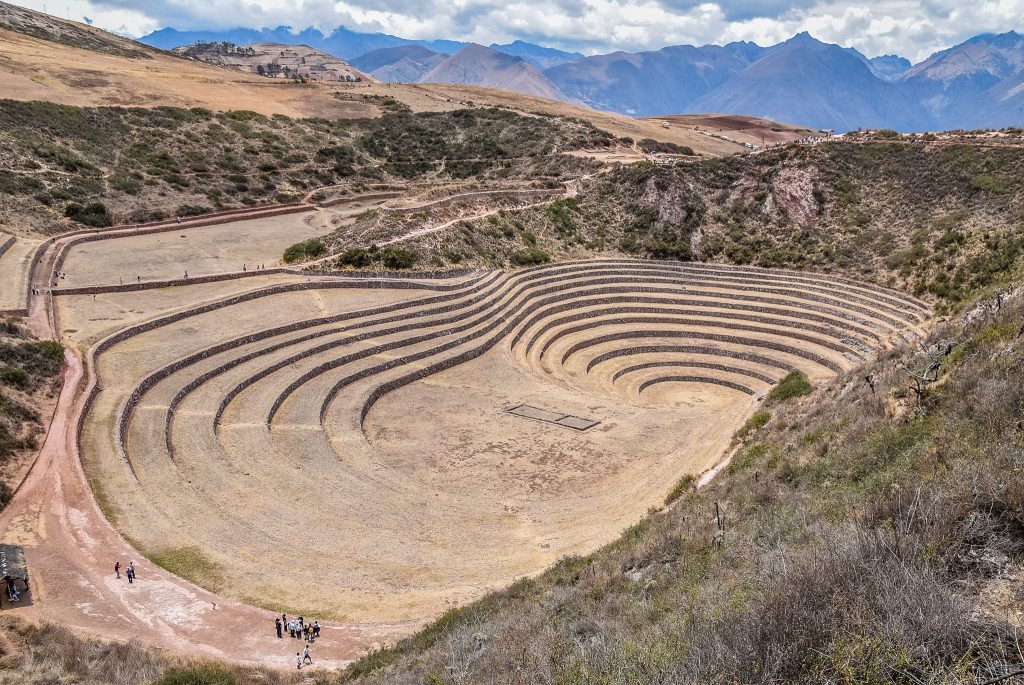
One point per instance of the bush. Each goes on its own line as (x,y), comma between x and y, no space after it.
(530,256)
(14,376)
(307,249)
(755,422)
(650,145)
(93,214)
(50,351)
(356,257)
(207,674)
(682,486)
(678,250)
(795,384)
(398,258)
(987,183)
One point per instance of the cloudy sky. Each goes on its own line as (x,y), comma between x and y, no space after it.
(912,28)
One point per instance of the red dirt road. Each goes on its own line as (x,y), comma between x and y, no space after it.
(71,550)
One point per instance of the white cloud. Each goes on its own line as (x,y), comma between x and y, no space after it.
(913,28)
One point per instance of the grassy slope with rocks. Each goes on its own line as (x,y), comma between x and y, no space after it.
(29,384)
(120,165)
(938,221)
(864,539)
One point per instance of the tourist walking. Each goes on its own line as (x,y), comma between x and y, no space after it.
(316,629)
(298,661)
(305,655)
(277,625)
(130,572)
(117,569)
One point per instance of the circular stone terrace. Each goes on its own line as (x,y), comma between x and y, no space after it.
(403,445)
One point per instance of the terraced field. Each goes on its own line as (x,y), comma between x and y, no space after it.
(392,446)
(16,254)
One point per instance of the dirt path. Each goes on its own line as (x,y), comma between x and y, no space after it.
(426,230)
(569,191)
(71,549)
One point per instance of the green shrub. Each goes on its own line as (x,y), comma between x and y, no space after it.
(398,258)
(682,486)
(357,257)
(650,145)
(14,376)
(795,384)
(206,674)
(307,249)
(749,457)
(93,214)
(988,183)
(754,423)
(679,250)
(530,256)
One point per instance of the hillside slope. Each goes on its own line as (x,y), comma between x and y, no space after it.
(482,66)
(141,165)
(276,60)
(69,63)
(405,63)
(941,221)
(44,58)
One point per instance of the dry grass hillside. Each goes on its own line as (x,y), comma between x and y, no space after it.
(45,58)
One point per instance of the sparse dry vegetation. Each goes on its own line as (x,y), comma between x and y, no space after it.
(941,222)
(32,654)
(29,381)
(97,166)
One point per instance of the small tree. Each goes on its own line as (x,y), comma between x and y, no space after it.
(93,214)
(924,368)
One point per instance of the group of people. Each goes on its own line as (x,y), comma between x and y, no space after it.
(129,571)
(299,629)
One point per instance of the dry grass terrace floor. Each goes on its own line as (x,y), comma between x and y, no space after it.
(201,251)
(14,271)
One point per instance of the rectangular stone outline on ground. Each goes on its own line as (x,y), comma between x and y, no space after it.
(576,423)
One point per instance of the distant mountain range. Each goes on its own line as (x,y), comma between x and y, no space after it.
(479,65)
(977,84)
(341,43)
